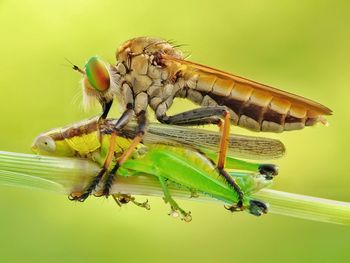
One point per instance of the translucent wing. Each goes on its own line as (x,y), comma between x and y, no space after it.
(248,147)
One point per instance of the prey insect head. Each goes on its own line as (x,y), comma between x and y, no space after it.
(44,144)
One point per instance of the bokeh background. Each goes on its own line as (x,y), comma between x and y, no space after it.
(300,46)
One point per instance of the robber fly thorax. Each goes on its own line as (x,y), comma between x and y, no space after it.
(152,72)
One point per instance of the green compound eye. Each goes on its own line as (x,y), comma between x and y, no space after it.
(97,74)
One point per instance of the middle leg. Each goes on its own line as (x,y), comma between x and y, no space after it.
(122,199)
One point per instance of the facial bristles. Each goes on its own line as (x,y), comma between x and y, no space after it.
(90,96)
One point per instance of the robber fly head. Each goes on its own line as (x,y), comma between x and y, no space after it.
(97,82)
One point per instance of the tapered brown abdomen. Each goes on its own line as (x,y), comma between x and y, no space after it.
(252,108)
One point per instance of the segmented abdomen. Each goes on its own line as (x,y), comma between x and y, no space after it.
(251,108)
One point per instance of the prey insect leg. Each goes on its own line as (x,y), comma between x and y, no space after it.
(122,199)
(257,207)
(211,115)
(186,216)
(95,181)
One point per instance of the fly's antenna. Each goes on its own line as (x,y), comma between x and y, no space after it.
(75,67)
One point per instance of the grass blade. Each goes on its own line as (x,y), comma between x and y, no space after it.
(64,175)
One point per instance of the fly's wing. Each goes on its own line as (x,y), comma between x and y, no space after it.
(252,99)
(247,147)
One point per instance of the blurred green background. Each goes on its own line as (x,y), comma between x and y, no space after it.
(302,47)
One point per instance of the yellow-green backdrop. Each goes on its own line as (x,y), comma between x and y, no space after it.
(300,46)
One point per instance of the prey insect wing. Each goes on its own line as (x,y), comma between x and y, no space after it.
(241,146)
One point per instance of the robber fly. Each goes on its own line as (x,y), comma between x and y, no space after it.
(152,72)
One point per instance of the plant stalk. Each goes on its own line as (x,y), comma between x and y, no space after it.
(66,175)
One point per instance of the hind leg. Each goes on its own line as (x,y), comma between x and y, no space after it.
(211,115)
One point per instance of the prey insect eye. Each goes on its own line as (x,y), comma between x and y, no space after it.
(97,74)
(44,143)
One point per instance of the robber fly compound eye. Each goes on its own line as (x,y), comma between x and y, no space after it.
(97,74)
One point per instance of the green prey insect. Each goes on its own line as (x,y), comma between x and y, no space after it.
(172,160)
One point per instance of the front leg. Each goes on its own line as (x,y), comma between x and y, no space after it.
(122,121)
(211,115)
(141,129)
(81,197)
(106,106)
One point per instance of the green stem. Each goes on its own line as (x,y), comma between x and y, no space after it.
(65,175)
